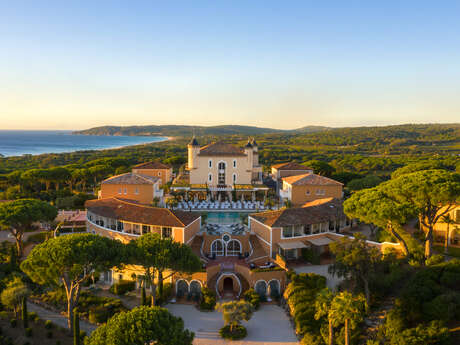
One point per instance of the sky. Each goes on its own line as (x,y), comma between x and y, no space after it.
(281,64)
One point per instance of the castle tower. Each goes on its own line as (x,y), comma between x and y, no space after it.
(249,151)
(193,150)
(255,150)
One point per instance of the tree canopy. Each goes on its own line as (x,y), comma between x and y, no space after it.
(140,326)
(18,216)
(158,255)
(71,260)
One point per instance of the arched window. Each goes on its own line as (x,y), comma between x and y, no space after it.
(233,248)
(210,163)
(234,178)
(217,247)
(210,177)
(261,288)
(274,288)
(195,287)
(234,163)
(181,288)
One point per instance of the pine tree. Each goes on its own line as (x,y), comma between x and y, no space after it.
(76,329)
(25,316)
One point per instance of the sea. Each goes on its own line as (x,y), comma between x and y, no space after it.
(17,142)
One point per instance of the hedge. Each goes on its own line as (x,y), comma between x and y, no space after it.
(122,287)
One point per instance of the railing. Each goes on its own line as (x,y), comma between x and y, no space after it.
(112,230)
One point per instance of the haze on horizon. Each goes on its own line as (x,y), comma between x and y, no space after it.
(80,64)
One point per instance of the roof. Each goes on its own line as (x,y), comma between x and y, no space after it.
(317,202)
(152,165)
(221,149)
(291,166)
(292,245)
(320,241)
(132,211)
(310,179)
(194,142)
(302,215)
(131,178)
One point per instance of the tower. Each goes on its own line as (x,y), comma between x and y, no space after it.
(193,150)
(255,150)
(249,151)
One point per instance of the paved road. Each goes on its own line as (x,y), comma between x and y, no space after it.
(331,281)
(268,326)
(58,319)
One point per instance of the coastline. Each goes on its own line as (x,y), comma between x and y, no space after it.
(15,144)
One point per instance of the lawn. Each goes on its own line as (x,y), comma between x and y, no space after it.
(452,251)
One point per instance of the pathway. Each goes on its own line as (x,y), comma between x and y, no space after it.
(57,318)
(268,326)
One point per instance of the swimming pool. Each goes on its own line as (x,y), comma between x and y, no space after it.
(224,217)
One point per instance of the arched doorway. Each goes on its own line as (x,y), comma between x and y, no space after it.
(274,288)
(228,285)
(261,288)
(181,288)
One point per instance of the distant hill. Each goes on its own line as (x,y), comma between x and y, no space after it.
(178,130)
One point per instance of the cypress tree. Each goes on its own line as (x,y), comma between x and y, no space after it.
(143,297)
(25,316)
(76,329)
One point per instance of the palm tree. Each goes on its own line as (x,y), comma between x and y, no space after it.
(349,308)
(449,221)
(323,308)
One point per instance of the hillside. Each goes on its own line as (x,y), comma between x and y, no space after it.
(178,130)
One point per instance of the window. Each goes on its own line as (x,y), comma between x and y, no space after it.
(125,191)
(320,192)
(217,247)
(136,191)
(287,231)
(119,190)
(210,163)
(234,163)
(166,232)
(145,229)
(308,192)
(136,229)
(315,229)
(210,177)
(298,230)
(233,248)
(307,229)
(234,178)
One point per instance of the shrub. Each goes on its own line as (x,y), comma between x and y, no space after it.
(98,314)
(13,323)
(49,334)
(434,260)
(252,297)
(312,339)
(311,256)
(167,290)
(48,324)
(208,299)
(33,316)
(4,315)
(37,238)
(238,332)
(122,287)
(28,332)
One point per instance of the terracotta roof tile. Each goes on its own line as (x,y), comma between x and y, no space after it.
(152,165)
(132,211)
(221,149)
(291,166)
(131,178)
(310,179)
(303,215)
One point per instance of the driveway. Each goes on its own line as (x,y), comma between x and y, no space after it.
(268,326)
(331,281)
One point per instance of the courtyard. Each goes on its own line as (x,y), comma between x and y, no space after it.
(268,325)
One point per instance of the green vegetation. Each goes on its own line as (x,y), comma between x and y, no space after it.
(71,260)
(234,313)
(14,294)
(122,287)
(18,216)
(157,326)
(252,297)
(157,255)
(208,299)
